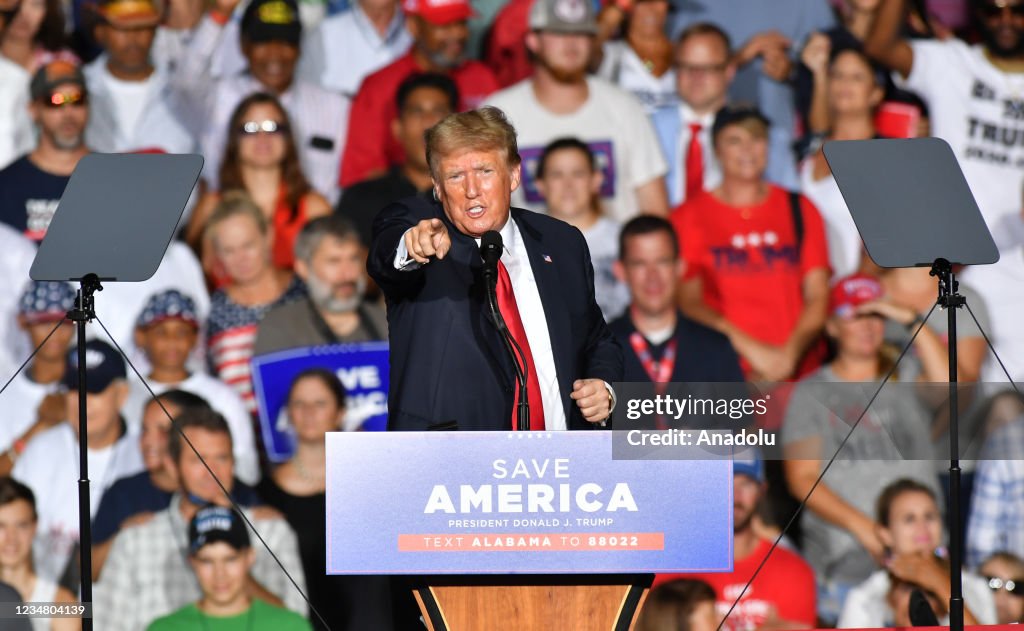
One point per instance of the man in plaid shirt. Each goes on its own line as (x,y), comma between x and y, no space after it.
(997,505)
(147,574)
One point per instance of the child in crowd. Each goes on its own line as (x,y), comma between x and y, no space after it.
(569,179)
(679,605)
(18,522)
(221,557)
(167,331)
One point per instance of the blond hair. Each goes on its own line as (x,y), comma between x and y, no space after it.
(484,129)
(234,204)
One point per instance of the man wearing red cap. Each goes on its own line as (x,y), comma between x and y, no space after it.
(439,32)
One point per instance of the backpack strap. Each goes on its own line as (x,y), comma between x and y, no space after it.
(798,221)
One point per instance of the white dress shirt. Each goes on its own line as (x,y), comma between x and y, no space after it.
(677,168)
(531,311)
(205,101)
(346,48)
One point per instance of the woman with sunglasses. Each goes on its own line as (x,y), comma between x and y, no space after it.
(1004,573)
(910,527)
(261,160)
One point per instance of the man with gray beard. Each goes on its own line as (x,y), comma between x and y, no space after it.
(31,186)
(331,260)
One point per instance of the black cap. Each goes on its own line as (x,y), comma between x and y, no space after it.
(732,114)
(55,74)
(216,523)
(272,21)
(103,366)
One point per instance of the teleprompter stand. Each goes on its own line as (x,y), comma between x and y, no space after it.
(114,223)
(913,208)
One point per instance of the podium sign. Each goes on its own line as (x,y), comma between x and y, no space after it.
(520,503)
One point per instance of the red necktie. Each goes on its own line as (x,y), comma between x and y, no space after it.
(694,163)
(510,311)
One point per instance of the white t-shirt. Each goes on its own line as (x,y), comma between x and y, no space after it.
(119,304)
(612,122)
(1001,285)
(979,110)
(603,242)
(129,101)
(844,243)
(623,67)
(222,398)
(866,606)
(21,402)
(346,48)
(49,466)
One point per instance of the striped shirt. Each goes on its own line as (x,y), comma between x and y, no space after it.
(997,502)
(231,334)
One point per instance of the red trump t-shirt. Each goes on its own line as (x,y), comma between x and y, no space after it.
(784,589)
(748,261)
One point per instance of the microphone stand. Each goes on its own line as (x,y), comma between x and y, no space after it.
(522,369)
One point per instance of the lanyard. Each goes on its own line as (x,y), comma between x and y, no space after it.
(660,372)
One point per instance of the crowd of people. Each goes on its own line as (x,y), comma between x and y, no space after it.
(682,139)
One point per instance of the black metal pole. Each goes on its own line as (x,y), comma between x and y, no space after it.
(81,314)
(951,301)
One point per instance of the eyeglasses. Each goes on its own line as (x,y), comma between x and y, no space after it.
(700,69)
(1014,587)
(60,99)
(268,126)
(992,10)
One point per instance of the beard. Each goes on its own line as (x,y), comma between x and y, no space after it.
(443,61)
(741,522)
(66,142)
(324,299)
(988,37)
(563,75)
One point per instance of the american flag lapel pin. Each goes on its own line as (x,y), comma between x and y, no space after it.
(547,259)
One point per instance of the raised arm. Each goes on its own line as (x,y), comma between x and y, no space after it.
(884,42)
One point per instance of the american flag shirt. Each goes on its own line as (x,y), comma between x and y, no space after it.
(231,333)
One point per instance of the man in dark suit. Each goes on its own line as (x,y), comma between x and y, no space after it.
(448,362)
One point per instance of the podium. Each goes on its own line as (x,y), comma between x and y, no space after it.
(533,602)
(523,530)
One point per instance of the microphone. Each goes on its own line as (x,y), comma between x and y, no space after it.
(490,251)
(491,248)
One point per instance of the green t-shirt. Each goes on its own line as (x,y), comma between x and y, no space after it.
(259,617)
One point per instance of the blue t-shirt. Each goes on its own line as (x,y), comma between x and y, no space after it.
(137,494)
(29,197)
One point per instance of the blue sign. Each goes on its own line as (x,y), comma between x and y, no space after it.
(520,503)
(362,369)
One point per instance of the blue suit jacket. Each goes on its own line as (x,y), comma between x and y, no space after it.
(448,363)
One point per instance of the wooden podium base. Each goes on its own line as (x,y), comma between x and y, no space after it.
(526,602)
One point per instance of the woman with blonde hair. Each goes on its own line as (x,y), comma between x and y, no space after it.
(238,235)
